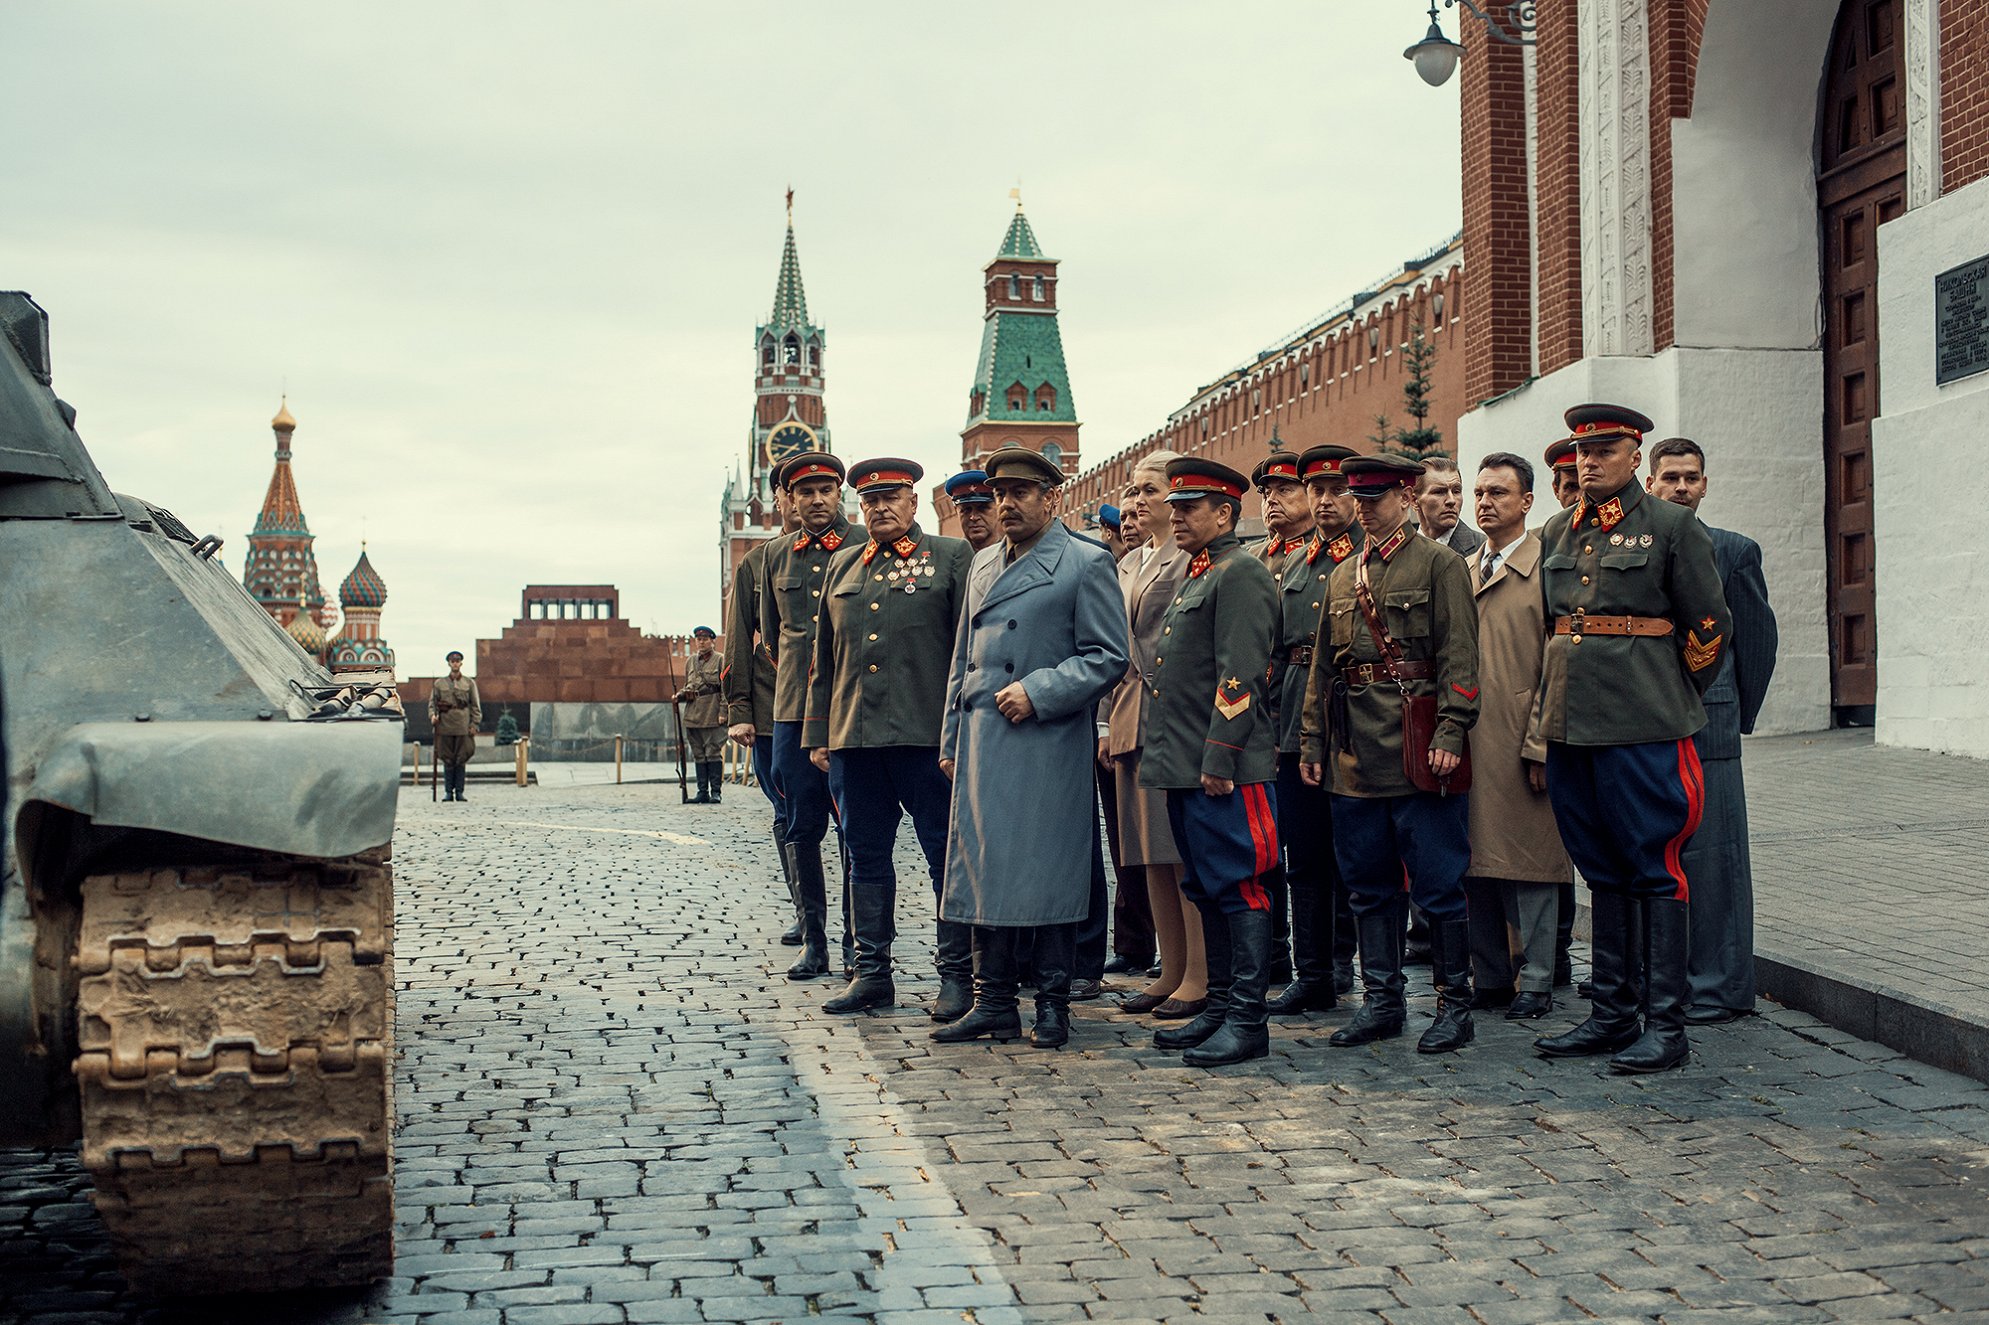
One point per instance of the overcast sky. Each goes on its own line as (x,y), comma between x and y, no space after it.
(508,257)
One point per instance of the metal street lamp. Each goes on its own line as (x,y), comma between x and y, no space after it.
(1436,55)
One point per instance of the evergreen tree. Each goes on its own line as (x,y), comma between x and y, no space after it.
(1421,440)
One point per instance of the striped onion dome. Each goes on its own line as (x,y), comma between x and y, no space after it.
(310,636)
(363,587)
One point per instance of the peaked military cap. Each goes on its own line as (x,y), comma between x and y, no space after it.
(810,464)
(1108,515)
(969,487)
(1372,475)
(1020,462)
(1320,461)
(1561,455)
(887,472)
(703,632)
(1606,423)
(1278,464)
(1191,477)
(452,655)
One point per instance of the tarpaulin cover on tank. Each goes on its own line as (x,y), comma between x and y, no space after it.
(323,791)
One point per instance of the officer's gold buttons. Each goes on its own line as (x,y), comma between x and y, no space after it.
(815,593)
(1584,579)
(878,576)
(873,666)
(873,636)
(1167,630)
(873,607)
(1315,607)
(1577,639)
(1588,551)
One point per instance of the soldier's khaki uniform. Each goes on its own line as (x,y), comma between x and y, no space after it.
(455,712)
(704,707)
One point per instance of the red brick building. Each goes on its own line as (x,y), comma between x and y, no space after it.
(1325,382)
(1760,222)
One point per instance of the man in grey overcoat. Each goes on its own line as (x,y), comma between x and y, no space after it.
(1716,862)
(1042,640)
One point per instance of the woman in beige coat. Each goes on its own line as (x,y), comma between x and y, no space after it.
(1149,576)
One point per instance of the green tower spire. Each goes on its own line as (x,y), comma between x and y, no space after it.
(790,302)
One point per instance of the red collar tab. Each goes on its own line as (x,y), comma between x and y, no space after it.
(905,546)
(1610,512)
(1387,547)
(1201,562)
(1339,549)
(1205,483)
(829,539)
(869,551)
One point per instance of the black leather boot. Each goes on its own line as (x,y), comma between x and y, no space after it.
(1382,1009)
(703,797)
(1667,989)
(1613,999)
(1056,955)
(1311,988)
(1242,1035)
(811,891)
(953,953)
(1346,936)
(1450,961)
(717,778)
(993,1015)
(1215,941)
(1278,885)
(1416,948)
(791,936)
(873,907)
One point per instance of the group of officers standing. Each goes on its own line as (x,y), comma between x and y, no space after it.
(1349,720)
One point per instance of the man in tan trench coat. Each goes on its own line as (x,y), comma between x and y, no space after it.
(1517,863)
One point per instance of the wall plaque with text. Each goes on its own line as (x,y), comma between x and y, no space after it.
(1961,321)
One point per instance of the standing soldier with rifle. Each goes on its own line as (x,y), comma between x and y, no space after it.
(703,715)
(455,712)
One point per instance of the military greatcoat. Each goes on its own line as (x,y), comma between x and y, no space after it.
(887,633)
(1629,555)
(704,706)
(749,664)
(1423,594)
(1024,816)
(791,608)
(1209,712)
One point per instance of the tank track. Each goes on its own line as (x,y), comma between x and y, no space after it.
(235,1036)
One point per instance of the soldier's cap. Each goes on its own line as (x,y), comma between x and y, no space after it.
(703,632)
(1108,515)
(886,472)
(773,475)
(1191,477)
(1278,464)
(1606,423)
(969,487)
(1020,462)
(810,464)
(1561,455)
(452,655)
(1372,475)
(1321,461)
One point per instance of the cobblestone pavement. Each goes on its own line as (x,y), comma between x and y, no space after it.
(610,1111)
(1880,878)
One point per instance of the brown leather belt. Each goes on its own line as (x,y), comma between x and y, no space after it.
(1300,656)
(1367,674)
(1611,625)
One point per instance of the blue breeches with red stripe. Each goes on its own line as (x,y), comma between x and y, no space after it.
(1228,843)
(1627,811)
(1421,840)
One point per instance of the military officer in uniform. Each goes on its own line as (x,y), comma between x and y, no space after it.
(1561,464)
(455,712)
(748,678)
(1305,826)
(1288,517)
(874,711)
(1640,627)
(703,714)
(790,611)
(1402,627)
(1211,745)
(974,502)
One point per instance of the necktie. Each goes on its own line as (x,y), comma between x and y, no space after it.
(1487,567)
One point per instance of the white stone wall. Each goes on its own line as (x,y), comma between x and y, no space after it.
(1930,463)
(1758,414)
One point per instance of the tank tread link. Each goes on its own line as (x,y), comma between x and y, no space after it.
(235,1036)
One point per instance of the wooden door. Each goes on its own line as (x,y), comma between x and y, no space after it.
(1861,184)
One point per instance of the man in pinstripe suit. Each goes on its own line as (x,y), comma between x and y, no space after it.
(1722,913)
